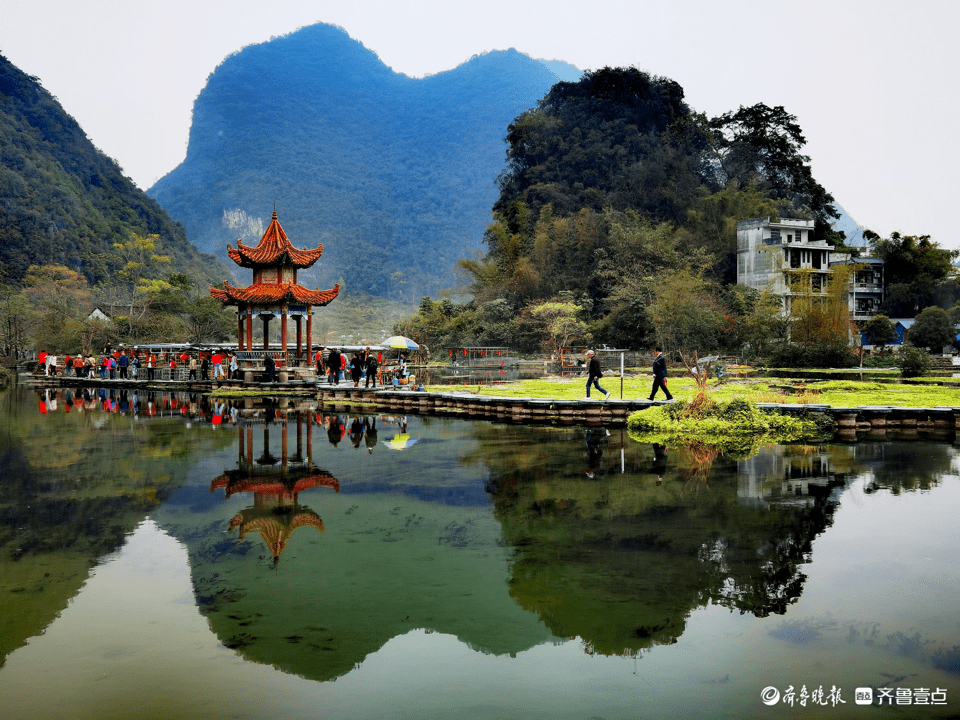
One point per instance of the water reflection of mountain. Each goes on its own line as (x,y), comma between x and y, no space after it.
(387,562)
(582,540)
(74,482)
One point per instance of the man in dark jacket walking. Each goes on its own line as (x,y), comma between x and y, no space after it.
(594,375)
(659,375)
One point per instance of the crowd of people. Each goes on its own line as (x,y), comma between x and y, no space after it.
(364,365)
(136,363)
(336,366)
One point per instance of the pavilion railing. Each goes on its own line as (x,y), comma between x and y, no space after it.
(257,357)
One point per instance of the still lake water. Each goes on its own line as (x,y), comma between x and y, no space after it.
(166,557)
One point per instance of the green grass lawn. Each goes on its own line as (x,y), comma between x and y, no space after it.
(837,393)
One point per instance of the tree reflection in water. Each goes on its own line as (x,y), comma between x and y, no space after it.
(621,562)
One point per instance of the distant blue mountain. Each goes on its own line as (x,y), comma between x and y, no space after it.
(563,70)
(850,228)
(395,175)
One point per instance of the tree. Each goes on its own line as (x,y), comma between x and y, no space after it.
(602,141)
(14,310)
(820,315)
(687,317)
(879,331)
(561,326)
(59,303)
(932,329)
(757,319)
(760,143)
(914,270)
(140,262)
(208,321)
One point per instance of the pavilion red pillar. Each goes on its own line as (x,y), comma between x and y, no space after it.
(309,337)
(299,436)
(239,330)
(310,443)
(283,333)
(297,319)
(249,330)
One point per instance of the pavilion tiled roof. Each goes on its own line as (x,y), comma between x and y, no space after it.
(275,528)
(238,481)
(273,249)
(274,293)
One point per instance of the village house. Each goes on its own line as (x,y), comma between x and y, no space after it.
(772,254)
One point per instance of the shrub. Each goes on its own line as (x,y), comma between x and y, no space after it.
(914,362)
(885,360)
(735,427)
(821,355)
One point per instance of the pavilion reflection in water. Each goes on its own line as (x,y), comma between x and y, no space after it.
(276,482)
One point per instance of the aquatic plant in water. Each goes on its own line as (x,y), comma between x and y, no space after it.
(736,427)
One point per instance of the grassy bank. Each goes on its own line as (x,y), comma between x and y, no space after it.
(838,393)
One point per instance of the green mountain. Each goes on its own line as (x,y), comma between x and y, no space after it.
(62,201)
(396,176)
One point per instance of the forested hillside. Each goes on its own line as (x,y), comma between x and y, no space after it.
(63,202)
(395,176)
(616,222)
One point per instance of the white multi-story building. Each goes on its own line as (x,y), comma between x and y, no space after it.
(769,252)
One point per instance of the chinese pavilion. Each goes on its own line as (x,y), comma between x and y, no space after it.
(275,291)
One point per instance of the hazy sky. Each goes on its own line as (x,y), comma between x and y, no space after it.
(873,83)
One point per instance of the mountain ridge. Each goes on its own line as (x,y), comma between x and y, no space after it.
(63,201)
(395,175)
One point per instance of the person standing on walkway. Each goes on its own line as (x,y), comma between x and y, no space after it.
(333,366)
(356,369)
(594,374)
(372,368)
(271,367)
(659,375)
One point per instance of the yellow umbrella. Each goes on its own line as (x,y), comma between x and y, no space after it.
(401,441)
(399,342)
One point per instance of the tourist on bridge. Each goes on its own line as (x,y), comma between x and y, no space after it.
(123,363)
(333,365)
(356,369)
(372,368)
(271,367)
(659,375)
(594,375)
